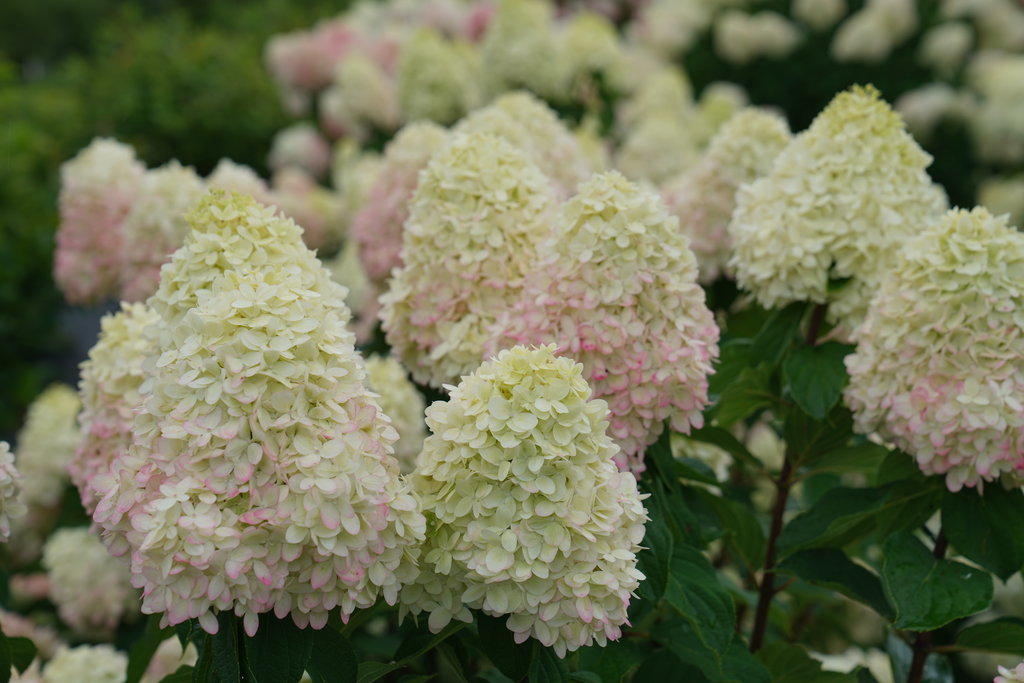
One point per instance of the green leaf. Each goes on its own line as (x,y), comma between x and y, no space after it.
(937,668)
(226,649)
(455,670)
(6,660)
(373,671)
(585,677)
(807,439)
(331,658)
(203,669)
(816,376)
(927,592)
(279,652)
(23,651)
(182,675)
(142,650)
(865,457)
(498,643)
(1004,636)
(743,533)
(694,591)
(733,358)
(747,394)
(734,664)
(987,529)
(727,442)
(898,466)
(416,645)
(655,560)
(613,661)
(772,340)
(831,568)
(547,667)
(791,664)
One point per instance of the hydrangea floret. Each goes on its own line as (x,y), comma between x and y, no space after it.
(97,189)
(478,215)
(527,514)
(400,400)
(938,367)
(704,197)
(617,290)
(10,491)
(261,474)
(838,205)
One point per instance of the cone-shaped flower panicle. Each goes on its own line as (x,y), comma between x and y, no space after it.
(437,78)
(533,127)
(109,389)
(91,588)
(657,148)
(704,196)
(519,48)
(261,474)
(476,220)
(618,292)
(400,400)
(97,189)
(938,368)
(527,514)
(87,664)
(378,225)
(838,205)
(11,506)
(231,177)
(156,226)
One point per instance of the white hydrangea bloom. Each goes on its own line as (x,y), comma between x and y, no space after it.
(666,91)
(528,515)
(870,34)
(91,589)
(477,218)
(925,108)
(718,103)
(588,45)
(363,99)
(353,173)
(657,148)
(819,14)
(438,79)
(704,197)
(945,46)
(839,203)
(519,49)
(231,177)
(1000,23)
(46,444)
(741,37)
(347,270)
(303,146)
(670,27)
(998,121)
(937,369)
(10,491)
(87,664)
(400,400)
(1004,195)
(156,226)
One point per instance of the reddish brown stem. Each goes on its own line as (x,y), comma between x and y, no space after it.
(767,589)
(814,327)
(923,640)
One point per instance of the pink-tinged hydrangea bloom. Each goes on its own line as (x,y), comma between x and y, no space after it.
(91,589)
(109,390)
(378,225)
(519,49)
(363,99)
(87,664)
(938,367)
(231,177)
(704,197)
(156,226)
(10,491)
(302,146)
(317,209)
(534,128)
(618,292)
(437,78)
(400,400)
(838,204)
(261,475)
(1015,675)
(527,514)
(97,189)
(477,217)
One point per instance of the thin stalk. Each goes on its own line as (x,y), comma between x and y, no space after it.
(767,589)
(923,640)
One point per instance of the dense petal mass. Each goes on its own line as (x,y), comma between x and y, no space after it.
(10,491)
(938,367)
(527,514)
(400,401)
(838,204)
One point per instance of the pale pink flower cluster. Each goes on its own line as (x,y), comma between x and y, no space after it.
(527,514)
(476,220)
(97,189)
(109,389)
(10,491)
(617,290)
(156,226)
(261,475)
(1014,675)
(378,226)
(91,589)
(838,205)
(704,197)
(938,370)
(300,145)
(318,210)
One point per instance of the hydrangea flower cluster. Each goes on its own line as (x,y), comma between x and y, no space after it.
(670,27)
(871,33)
(301,146)
(400,401)
(617,291)
(704,197)
(820,15)
(315,208)
(379,224)
(91,589)
(109,388)
(10,491)
(659,146)
(741,37)
(839,203)
(361,100)
(1015,675)
(533,127)
(437,78)
(97,189)
(156,226)
(261,474)
(519,48)
(46,444)
(478,215)
(87,664)
(231,177)
(937,368)
(527,514)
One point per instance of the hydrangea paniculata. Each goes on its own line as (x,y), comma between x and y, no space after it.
(10,491)
(478,215)
(527,514)
(838,204)
(938,367)
(437,78)
(317,209)
(400,400)
(519,48)
(302,146)
(617,290)
(87,664)
(46,444)
(231,177)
